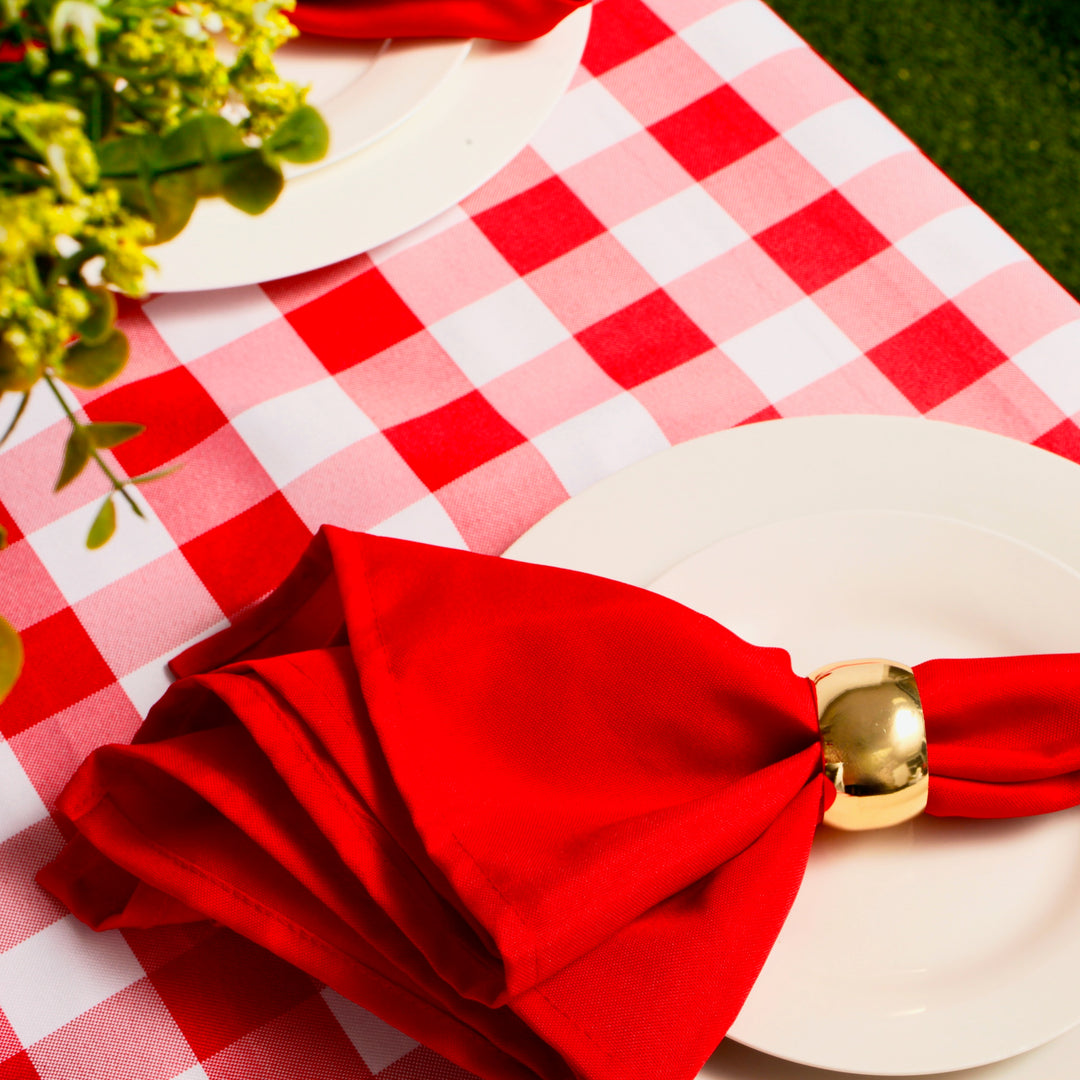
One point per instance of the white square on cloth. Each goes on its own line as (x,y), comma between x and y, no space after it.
(1053,364)
(679,234)
(601,441)
(847,138)
(78,572)
(959,248)
(790,350)
(60,973)
(739,37)
(492,336)
(20,804)
(294,432)
(194,324)
(425,521)
(587,120)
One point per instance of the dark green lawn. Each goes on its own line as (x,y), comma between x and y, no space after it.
(989,89)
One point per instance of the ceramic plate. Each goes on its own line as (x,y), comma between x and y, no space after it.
(939,945)
(474,122)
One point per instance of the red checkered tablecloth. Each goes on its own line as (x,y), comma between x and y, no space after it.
(712,229)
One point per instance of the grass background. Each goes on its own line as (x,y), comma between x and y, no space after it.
(989,89)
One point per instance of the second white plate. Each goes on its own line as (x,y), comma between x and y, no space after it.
(936,945)
(993,517)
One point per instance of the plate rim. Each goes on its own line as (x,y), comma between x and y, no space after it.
(427,62)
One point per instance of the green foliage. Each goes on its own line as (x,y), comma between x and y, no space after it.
(116,117)
(988,89)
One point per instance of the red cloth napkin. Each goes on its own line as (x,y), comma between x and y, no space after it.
(504,20)
(545,823)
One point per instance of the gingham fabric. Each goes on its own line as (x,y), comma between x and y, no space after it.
(712,229)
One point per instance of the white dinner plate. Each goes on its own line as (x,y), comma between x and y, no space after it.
(474,122)
(841,536)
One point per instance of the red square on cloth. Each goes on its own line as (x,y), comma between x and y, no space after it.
(354,321)
(177,411)
(448,442)
(822,241)
(246,556)
(621,32)
(62,667)
(225,988)
(9,1041)
(712,132)
(14,533)
(18,1067)
(539,225)
(645,339)
(936,357)
(1064,439)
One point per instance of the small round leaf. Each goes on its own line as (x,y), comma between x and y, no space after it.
(302,137)
(89,366)
(11,657)
(76,455)
(104,525)
(95,328)
(252,183)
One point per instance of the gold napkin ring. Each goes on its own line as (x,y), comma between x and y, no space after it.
(873,741)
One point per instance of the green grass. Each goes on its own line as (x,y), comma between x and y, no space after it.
(988,89)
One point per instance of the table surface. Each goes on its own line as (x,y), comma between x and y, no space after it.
(712,229)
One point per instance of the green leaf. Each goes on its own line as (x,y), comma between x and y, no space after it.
(302,137)
(172,202)
(76,455)
(11,657)
(168,200)
(127,156)
(158,474)
(201,140)
(106,436)
(89,366)
(18,416)
(95,328)
(104,525)
(252,183)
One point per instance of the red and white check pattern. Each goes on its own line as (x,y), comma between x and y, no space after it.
(713,228)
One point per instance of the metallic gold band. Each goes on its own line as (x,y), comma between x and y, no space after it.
(873,743)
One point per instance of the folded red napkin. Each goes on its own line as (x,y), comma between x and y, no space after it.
(545,823)
(504,20)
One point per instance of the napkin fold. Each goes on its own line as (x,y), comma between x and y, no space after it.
(503,20)
(545,823)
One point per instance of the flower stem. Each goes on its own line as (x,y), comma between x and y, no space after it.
(119,485)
